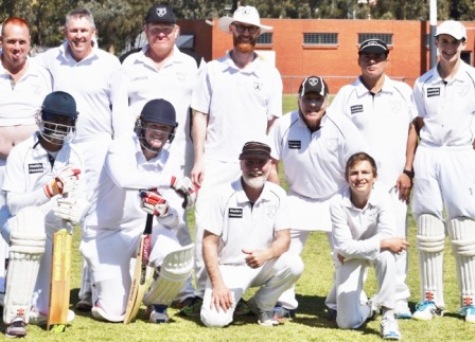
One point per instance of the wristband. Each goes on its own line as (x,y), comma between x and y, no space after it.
(409,173)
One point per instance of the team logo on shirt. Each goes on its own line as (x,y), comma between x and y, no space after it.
(258,86)
(35,168)
(181,76)
(431,92)
(139,78)
(295,144)
(356,109)
(235,213)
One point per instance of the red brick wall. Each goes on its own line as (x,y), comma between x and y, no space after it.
(408,59)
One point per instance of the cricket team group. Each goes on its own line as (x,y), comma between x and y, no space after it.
(112,148)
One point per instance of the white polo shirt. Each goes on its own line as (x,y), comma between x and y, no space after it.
(383,119)
(96,84)
(20,101)
(29,169)
(239,102)
(357,232)
(174,82)
(240,225)
(116,203)
(448,108)
(314,163)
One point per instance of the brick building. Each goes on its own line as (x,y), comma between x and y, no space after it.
(328,47)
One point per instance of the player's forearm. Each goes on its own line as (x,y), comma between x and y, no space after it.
(198,133)
(18,201)
(274,172)
(210,257)
(411,147)
(280,245)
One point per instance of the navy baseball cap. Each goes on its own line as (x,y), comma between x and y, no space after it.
(373,45)
(314,84)
(160,13)
(159,111)
(255,149)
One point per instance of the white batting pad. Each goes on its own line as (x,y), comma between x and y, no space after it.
(174,271)
(27,246)
(462,235)
(430,243)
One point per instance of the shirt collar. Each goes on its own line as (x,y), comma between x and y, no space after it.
(241,194)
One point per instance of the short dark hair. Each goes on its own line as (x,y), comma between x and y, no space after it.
(359,157)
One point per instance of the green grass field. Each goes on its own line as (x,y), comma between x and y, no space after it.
(310,324)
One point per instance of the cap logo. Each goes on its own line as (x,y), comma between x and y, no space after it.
(161,11)
(313,81)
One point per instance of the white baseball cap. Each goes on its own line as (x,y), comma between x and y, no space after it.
(246,15)
(452,28)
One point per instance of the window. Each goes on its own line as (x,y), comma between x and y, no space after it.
(265,39)
(385,37)
(320,38)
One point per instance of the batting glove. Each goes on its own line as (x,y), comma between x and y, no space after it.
(72,209)
(153,203)
(186,189)
(66,180)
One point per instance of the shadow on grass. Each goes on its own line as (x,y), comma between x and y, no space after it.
(311,312)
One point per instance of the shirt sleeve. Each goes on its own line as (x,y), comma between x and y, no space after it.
(344,243)
(274,107)
(121,165)
(202,93)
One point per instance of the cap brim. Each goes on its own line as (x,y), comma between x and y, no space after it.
(224,22)
(456,36)
(254,155)
(374,49)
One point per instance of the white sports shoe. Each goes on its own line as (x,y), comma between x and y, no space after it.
(100,314)
(390,329)
(427,310)
(402,311)
(266,318)
(158,314)
(38,318)
(469,313)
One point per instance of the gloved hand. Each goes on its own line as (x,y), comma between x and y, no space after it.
(186,189)
(72,209)
(153,203)
(65,181)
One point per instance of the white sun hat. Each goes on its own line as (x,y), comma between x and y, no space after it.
(452,28)
(245,15)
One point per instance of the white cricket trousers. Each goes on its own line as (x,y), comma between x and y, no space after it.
(444,179)
(349,284)
(274,277)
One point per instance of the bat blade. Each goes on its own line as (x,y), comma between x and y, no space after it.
(60,280)
(142,274)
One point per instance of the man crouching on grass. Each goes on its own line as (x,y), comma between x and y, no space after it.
(245,241)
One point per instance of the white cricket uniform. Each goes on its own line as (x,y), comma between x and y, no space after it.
(444,165)
(241,225)
(314,168)
(239,103)
(174,82)
(28,170)
(96,83)
(116,221)
(19,103)
(384,119)
(357,234)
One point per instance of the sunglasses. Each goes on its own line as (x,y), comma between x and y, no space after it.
(241,28)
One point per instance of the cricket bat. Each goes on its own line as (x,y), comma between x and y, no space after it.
(142,273)
(60,281)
